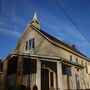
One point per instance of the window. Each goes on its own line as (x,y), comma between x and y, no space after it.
(30,44)
(12,66)
(26,45)
(82,62)
(66,70)
(26,66)
(77,60)
(70,57)
(29,66)
(86,67)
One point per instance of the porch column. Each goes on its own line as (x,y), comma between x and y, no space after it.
(38,74)
(73,77)
(20,71)
(59,76)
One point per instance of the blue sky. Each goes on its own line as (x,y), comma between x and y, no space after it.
(16,14)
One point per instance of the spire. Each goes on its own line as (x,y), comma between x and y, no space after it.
(35,21)
(35,17)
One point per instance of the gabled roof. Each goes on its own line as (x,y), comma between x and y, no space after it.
(58,42)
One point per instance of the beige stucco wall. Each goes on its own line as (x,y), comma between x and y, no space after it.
(44,47)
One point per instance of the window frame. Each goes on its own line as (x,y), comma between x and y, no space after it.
(77,60)
(29,44)
(70,56)
(82,63)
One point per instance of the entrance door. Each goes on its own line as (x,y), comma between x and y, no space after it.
(44,79)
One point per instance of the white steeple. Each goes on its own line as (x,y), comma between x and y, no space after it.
(35,21)
(35,17)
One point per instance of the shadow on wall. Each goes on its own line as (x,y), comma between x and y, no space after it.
(22,87)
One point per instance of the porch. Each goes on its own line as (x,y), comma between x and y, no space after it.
(37,73)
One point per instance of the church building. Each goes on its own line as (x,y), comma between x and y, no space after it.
(42,62)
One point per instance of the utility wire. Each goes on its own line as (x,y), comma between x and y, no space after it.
(67,15)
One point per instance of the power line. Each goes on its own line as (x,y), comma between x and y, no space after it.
(67,15)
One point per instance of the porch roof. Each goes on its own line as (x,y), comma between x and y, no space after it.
(47,58)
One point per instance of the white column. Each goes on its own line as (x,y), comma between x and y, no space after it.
(59,76)
(38,75)
(80,78)
(73,77)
